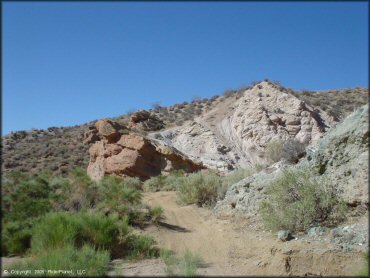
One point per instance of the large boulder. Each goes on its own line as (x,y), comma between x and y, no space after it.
(144,120)
(120,152)
(104,129)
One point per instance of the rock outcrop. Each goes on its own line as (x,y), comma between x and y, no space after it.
(146,121)
(121,152)
(340,158)
(104,129)
(244,197)
(235,133)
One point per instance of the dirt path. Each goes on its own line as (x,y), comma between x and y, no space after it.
(238,249)
(233,247)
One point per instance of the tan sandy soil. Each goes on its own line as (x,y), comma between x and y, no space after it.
(239,249)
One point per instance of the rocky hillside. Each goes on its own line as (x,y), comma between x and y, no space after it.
(62,148)
(340,158)
(235,133)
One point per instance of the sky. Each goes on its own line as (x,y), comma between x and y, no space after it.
(70,63)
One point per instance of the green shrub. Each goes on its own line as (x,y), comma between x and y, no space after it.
(30,199)
(54,231)
(77,192)
(191,262)
(119,195)
(16,237)
(25,199)
(274,150)
(170,261)
(103,232)
(139,247)
(164,182)
(186,265)
(201,188)
(155,184)
(156,214)
(94,262)
(59,229)
(297,200)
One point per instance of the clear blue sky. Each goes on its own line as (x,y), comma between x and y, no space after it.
(69,63)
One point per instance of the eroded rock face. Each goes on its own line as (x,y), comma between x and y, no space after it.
(120,152)
(144,120)
(235,134)
(340,159)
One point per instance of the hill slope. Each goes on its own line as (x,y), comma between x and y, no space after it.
(61,149)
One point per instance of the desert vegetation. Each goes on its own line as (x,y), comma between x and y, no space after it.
(290,151)
(185,265)
(298,200)
(96,222)
(337,103)
(55,219)
(203,188)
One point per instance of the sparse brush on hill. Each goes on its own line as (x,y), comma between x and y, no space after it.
(62,149)
(297,200)
(337,103)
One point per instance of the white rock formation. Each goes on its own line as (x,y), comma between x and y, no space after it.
(235,133)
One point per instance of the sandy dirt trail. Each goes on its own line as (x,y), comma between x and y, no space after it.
(237,248)
(232,247)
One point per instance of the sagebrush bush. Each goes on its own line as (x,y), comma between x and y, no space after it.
(75,192)
(274,150)
(94,262)
(293,150)
(201,188)
(297,201)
